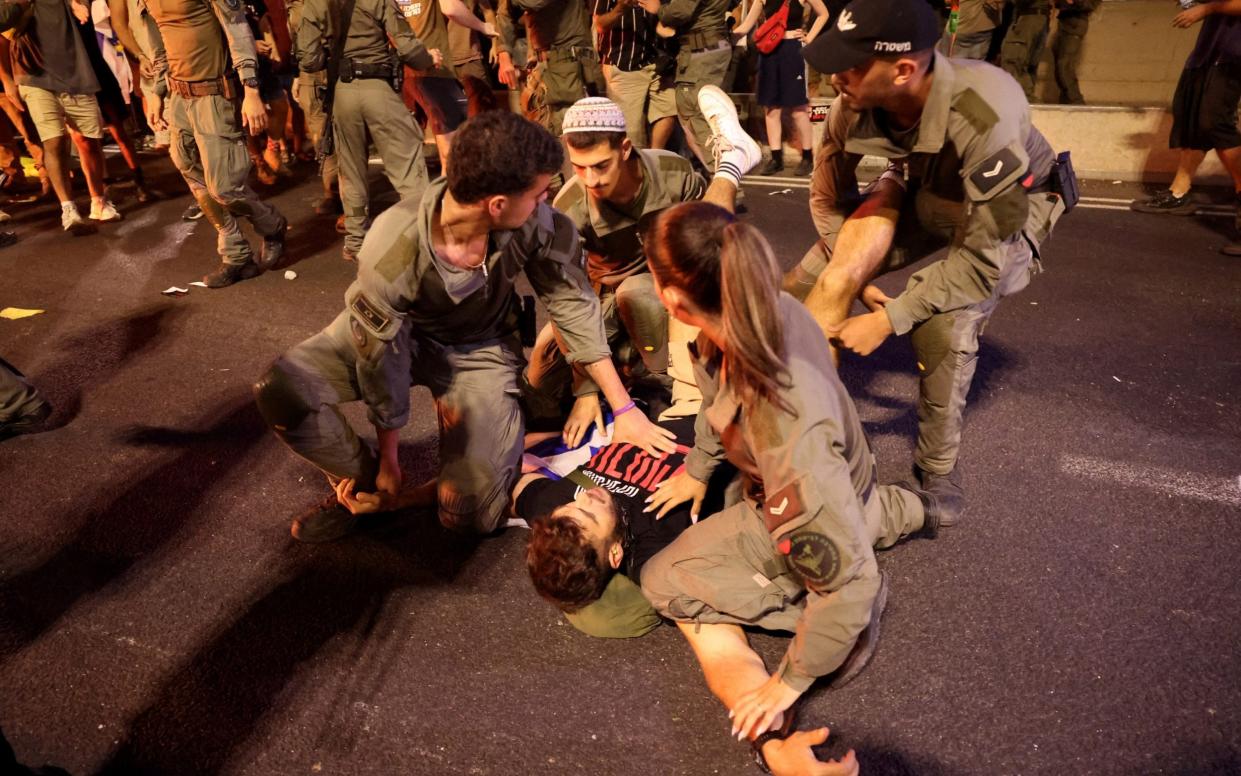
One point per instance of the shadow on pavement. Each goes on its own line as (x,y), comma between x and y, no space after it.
(139,516)
(206,711)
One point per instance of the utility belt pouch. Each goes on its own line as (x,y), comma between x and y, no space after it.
(1064,181)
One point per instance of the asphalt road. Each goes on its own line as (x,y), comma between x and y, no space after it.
(155,616)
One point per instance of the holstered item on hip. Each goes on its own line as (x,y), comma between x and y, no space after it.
(225,85)
(701,41)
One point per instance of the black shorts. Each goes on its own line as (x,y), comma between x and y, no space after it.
(782,77)
(1204,108)
(442,99)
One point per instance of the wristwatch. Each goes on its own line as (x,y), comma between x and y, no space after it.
(251,82)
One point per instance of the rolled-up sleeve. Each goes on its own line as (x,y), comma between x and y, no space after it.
(678,13)
(556,273)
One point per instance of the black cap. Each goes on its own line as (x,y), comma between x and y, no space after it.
(869,28)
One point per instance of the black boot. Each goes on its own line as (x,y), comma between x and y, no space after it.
(228,274)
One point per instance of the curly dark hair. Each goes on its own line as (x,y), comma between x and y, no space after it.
(565,567)
(583,140)
(500,153)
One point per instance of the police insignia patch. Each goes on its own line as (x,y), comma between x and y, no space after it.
(815,557)
(368,312)
(998,168)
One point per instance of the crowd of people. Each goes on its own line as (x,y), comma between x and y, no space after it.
(692,455)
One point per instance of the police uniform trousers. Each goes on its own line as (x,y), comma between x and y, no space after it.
(725,569)
(1066,51)
(370,106)
(631,313)
(18,398)
(1023,48)
(474,386)
(310,100)
(696,69)
(946,344)
(209,150)
(560,78)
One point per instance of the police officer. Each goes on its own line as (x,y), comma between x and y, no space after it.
(968,172)
(1072,24)
(434,304)
(1024,42)
(209,46)
(703,57)
(366,101)
(795,552)
(308,92)
(22,408)
(616,191)
(566,62)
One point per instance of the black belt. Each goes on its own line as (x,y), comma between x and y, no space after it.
(700,41)
(355,71)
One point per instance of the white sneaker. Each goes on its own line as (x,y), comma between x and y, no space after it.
(730,143)
(72,222)
(104,210)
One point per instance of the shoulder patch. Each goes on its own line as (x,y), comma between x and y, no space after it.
(995,170)
(814,557)
(369,312)
(976,111)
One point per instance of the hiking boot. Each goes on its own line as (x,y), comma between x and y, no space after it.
(103,210)
(192,213)
(774,166)
(73,223)
(1167,203)
(729,143)
(29,423)
(804,167)
(327,521)
(864,648)
(227,274)
(943,501)
(272,250)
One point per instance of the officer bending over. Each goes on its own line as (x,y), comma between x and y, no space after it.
(968,172)
(434,305)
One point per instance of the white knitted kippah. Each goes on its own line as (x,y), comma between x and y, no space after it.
(593,114)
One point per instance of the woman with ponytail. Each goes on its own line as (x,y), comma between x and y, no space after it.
(796,552)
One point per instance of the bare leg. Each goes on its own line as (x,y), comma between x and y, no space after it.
(91,152)
(661,131)
(1186,165)
(443,144)
(774,132)
(722,192)
(801,120)
(1231,157)
(56,159)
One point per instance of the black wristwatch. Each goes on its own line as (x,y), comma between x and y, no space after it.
(250,82)
(757,744)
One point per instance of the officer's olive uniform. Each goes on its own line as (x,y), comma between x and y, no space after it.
(616,265)
(205,40)
(1024,42)
(413,320)
(1072,24)
(978,176)
(566,62)
(18,398)
(975,26)
(366,103)
(796,553)
(310,93)
(703,58)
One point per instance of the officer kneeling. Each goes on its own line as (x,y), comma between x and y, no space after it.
(434,304)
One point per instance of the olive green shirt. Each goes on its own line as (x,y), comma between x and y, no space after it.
(550,24)
(403,293)
(373,24)
(611,234)
(971,162)
(204,39)
(686,16)
(810,472)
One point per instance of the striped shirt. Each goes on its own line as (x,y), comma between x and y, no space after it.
(630,43)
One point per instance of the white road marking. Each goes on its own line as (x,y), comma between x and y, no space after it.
(1182,484)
